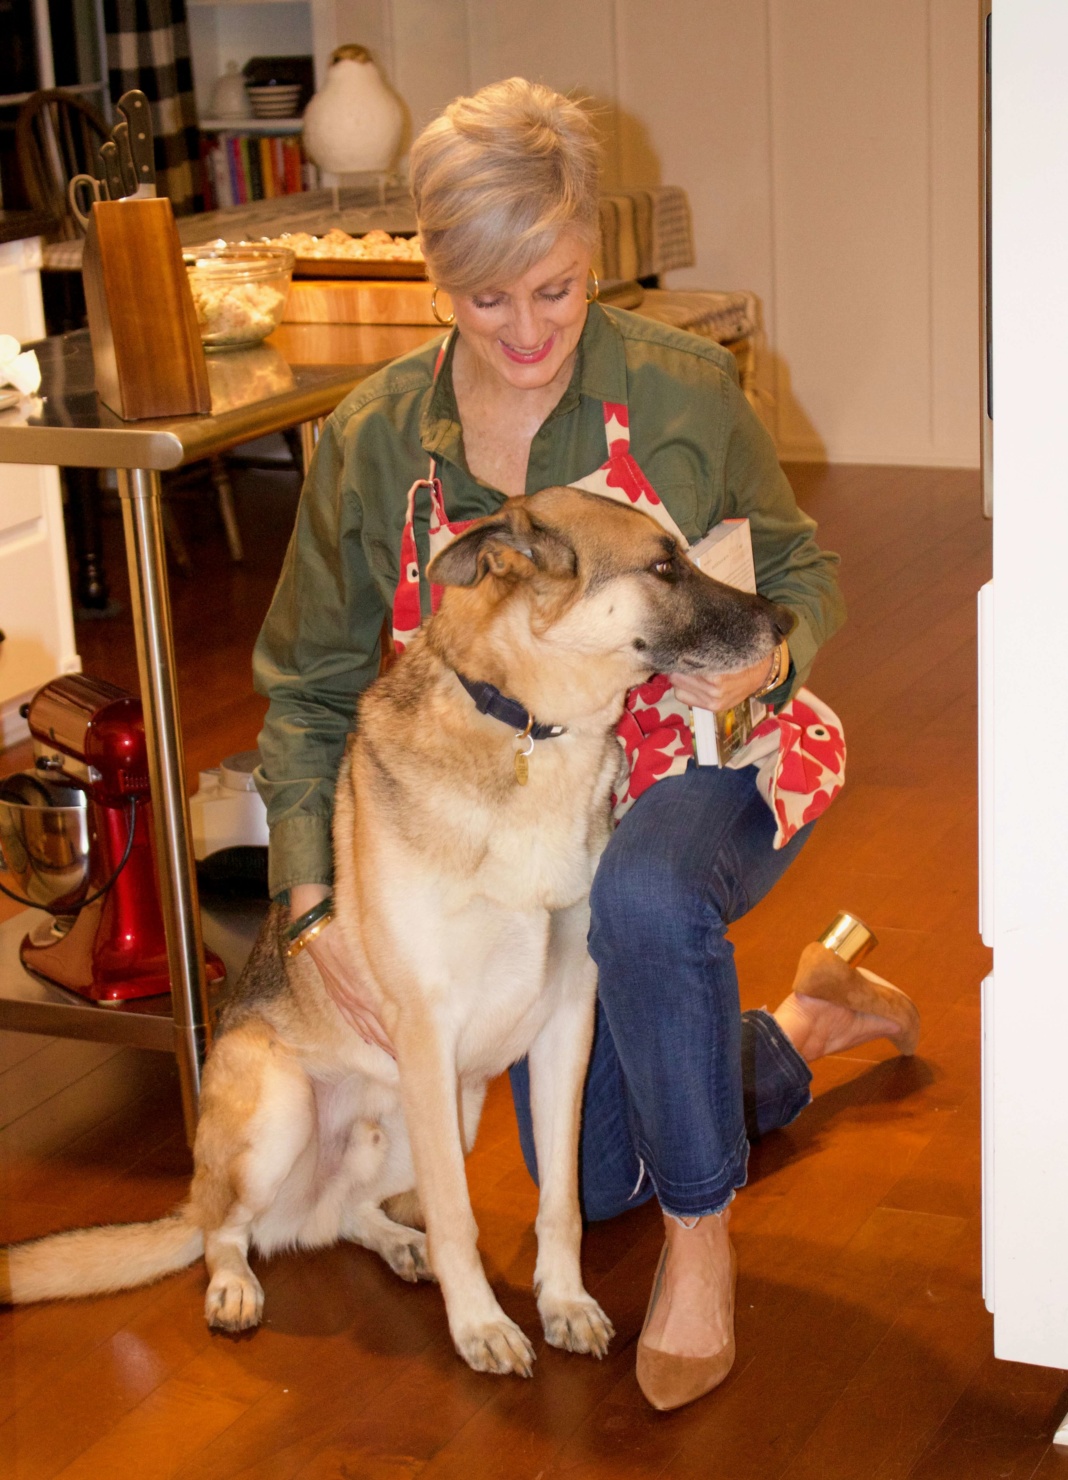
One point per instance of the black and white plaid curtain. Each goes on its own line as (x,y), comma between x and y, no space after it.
(148,47)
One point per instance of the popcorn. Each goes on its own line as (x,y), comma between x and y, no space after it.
(374,246)
(235,313)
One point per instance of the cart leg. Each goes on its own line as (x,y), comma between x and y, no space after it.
(139,490)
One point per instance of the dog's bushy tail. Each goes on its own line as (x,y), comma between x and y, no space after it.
(98,1261)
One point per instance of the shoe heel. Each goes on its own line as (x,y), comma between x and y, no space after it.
(849,938)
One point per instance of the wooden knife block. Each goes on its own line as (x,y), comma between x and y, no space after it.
(147,353)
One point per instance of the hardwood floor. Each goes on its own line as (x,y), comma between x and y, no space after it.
(864,1350)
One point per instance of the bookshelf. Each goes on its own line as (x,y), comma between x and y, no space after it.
(221,31)
(241,166)
(282,126)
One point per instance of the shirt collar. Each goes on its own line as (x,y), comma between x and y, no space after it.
(600,374)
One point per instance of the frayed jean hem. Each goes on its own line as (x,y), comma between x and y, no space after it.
(711,1195)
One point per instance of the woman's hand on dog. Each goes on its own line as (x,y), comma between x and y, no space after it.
(721,690)
(334,969)
(344,991)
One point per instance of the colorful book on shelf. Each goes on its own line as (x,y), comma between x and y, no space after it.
(293,164)
(220,170)
(207,175)
(726,554)
(241,167)
(267,168)
(237,169)
(250,152)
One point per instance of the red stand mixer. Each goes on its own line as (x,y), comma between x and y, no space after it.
(77,833)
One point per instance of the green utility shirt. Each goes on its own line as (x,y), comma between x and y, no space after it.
(693,434)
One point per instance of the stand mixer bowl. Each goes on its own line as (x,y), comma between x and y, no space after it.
(44,841)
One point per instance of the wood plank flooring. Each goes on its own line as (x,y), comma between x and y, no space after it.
(864,1350)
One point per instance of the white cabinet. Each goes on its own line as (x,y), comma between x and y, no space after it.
(1025,697)
(35,604)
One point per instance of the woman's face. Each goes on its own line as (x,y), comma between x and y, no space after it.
(526,331)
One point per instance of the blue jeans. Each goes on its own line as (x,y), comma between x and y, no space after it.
(680,1079)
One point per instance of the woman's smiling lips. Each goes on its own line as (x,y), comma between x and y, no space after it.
(531,356)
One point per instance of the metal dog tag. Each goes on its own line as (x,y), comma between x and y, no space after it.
(522,757)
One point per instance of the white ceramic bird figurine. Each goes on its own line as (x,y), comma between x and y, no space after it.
(353,123)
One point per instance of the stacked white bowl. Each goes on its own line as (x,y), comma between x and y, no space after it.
(274,99)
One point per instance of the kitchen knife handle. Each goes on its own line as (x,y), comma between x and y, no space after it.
(109,158)
(133,105)
(121,136)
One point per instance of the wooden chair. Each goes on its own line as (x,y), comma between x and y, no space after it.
(57,135)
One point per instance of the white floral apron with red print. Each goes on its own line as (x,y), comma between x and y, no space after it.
(799,753)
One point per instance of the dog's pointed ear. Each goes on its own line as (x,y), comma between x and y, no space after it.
(492,546)
(509,546)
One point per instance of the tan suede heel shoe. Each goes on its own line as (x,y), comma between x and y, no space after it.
(820,973)
(669,1381)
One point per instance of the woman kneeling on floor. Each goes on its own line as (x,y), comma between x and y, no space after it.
(537,384)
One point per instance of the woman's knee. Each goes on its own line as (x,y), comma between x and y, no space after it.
(642,904)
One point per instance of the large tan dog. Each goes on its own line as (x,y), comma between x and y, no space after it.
(462,895)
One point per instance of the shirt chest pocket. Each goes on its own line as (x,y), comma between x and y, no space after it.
(679,497)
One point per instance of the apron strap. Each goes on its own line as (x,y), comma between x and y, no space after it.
(616,427)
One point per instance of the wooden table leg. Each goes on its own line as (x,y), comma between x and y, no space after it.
(309,436)
(150,603)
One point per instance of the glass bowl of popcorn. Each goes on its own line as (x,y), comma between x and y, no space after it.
(239,292)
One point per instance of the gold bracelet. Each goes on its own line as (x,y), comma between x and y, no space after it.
(306,936)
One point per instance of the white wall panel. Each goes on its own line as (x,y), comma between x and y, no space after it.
(431,55)
(694,111)
(829,148)
(851,230)
(567,44)
(1026,1107)
(954,229)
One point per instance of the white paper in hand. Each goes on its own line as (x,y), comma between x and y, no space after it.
(726,554)
(18,367)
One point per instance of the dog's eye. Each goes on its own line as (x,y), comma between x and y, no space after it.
(664,568)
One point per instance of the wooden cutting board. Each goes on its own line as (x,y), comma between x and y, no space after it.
(359,301)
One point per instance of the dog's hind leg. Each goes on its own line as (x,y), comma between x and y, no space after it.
(405,1208)
(558,1059)
(403,1248)
(376,1160)
(258,1118)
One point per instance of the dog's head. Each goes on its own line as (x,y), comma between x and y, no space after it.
(589,577)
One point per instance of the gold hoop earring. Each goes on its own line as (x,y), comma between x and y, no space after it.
(592,297)
(445,323)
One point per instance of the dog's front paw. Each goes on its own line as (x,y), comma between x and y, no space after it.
(234,1301)
(495,1346)
(576,1325)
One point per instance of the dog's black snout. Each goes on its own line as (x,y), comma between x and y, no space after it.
(782,618)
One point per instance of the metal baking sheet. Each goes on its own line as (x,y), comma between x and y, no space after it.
(358,267)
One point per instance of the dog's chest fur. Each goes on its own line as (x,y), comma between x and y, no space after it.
(435,781)
(451,874)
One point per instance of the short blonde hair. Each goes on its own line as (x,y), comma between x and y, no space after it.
(496,179)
